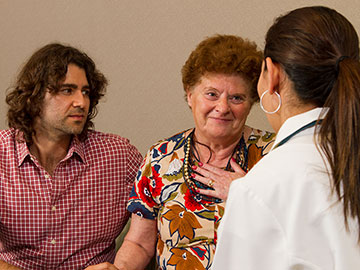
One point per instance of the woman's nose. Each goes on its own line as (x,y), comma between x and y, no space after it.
(222,105)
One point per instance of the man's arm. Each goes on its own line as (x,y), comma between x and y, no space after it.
(138,246)
(6,266)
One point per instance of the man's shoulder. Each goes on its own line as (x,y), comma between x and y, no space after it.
(97,139)
(98,136)
(7,135)
(100,146)
(7,143)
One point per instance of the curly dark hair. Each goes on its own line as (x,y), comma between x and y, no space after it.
(46,69)
(226,54)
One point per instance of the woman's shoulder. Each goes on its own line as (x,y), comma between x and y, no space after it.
(258,142)
(180,135)
(256,136)
(171,143)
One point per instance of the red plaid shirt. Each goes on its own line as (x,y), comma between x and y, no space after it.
(68,220)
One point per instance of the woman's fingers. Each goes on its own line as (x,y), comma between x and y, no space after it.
(219,183)
(212,193)
(219,190)
(237,169)
(210,171)
(207,170)
(217,179)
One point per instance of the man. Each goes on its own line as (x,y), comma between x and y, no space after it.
(63,186)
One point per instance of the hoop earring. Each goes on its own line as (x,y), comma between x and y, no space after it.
(262,106)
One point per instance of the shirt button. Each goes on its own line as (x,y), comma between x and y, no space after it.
(46,176)
(53,241)
(53,208)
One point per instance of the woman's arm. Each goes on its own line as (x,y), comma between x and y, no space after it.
(6,266)
(137,249)
(139,244)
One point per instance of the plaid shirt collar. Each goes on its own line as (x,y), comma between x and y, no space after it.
(76,147)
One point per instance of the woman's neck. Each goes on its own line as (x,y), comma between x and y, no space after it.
(217,153)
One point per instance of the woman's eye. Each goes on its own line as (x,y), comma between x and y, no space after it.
(237,99)
(211,94)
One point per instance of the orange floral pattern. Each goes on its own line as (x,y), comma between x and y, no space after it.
(184,260)
(181,221)
(187,228)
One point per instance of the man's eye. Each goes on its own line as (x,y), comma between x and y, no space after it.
(85,92)
(66,91)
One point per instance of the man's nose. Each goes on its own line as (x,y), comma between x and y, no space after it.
(79,99)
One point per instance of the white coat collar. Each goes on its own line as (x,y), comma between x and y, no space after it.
(295,122)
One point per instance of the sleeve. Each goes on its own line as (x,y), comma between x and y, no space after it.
(134,159)
(141,201)
(249,235)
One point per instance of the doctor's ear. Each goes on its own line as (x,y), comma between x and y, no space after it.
(272,73)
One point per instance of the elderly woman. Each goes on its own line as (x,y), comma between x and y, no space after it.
(299,207)
(174,202)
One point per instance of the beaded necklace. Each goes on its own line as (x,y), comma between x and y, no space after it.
(240,153)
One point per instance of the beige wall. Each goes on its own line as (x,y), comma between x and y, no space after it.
(140,46)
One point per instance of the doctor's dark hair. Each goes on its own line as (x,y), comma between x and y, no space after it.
(45,70)
(319,50)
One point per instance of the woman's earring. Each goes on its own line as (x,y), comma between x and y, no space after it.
(262,106)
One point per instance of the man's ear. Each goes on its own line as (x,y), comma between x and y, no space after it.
(273,75)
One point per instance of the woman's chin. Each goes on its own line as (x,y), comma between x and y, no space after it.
(223,135)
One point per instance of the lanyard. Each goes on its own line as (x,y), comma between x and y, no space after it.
(311,124)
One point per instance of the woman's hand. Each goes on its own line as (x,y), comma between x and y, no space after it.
(218,179)
(102,266)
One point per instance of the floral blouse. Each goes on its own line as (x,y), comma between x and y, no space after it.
(187,229)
